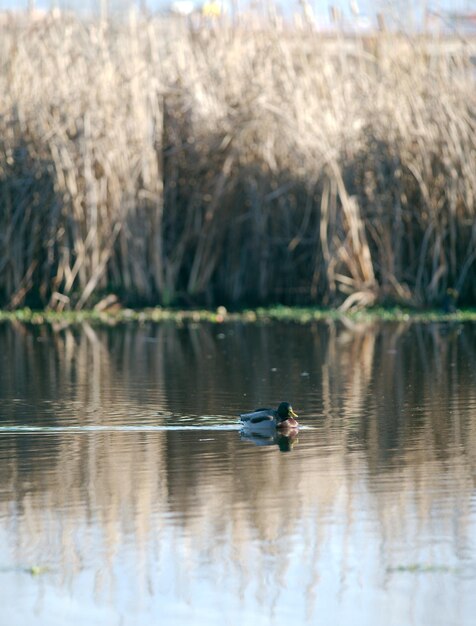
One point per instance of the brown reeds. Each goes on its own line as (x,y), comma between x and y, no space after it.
(174,165)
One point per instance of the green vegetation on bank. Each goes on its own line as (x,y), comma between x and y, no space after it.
(300,315)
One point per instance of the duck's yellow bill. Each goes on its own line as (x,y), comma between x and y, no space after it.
(293,413)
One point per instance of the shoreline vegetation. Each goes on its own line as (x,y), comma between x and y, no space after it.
(192,167)
(299,315)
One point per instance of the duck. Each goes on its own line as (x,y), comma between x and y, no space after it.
(259,420)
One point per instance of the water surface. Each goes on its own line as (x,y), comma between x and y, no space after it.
(128,494)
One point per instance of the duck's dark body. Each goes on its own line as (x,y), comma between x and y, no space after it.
(265,418)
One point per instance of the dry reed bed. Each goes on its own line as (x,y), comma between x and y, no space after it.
(175,166)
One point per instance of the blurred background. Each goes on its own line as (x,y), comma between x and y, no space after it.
(356,15)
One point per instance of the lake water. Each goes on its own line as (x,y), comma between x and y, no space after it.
(128,495)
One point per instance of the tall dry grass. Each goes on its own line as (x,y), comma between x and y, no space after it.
(217,165)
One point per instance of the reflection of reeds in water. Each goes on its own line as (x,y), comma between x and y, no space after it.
(170,165)
(386,444)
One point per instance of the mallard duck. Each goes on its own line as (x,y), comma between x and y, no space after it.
(269,419)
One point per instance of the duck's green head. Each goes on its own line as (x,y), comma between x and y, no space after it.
(285,411)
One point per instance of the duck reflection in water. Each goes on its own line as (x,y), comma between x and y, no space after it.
(284,441)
